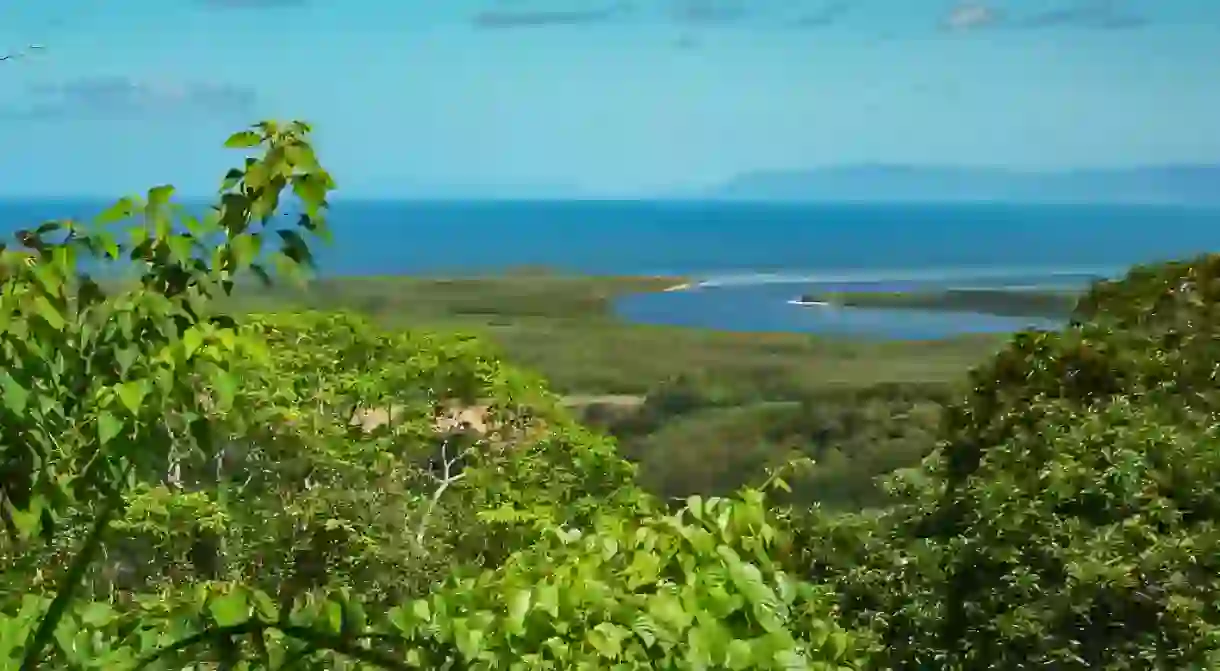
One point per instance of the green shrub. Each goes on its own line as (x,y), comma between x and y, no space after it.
(1068,518)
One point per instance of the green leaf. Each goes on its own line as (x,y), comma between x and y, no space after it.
(265,606)
(420,609)
(469,639)
(15,396)
(334,616)
(302,156)
(311,189)
(158,196)
(245,249)
(225,386)
(548,600)
(96,613)
(108,426)
(739,655)
(518,607)
(49,313)
(230,609)
(180,246)
(28,521)
(191,340)
(243,140)
(607,639)
(120,210)
(132,394)
(125,357)
(695,505)
(837,645)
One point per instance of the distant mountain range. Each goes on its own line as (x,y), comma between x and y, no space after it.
(1169,184)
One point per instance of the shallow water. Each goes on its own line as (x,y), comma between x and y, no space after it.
(767,308)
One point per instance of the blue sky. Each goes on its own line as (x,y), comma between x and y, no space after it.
(599,97)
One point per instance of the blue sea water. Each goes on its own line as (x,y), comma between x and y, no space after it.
(754,257)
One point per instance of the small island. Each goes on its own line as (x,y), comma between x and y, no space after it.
(1043,303)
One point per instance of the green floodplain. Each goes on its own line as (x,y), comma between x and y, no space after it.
(1041,303)
(701,411)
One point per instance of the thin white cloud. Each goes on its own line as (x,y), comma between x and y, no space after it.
(124,97)
(1103,14)
(708,11)
(520,18)
(966,16)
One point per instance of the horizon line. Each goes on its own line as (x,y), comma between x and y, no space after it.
(711,198)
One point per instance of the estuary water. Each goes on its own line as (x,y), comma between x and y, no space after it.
(748,260)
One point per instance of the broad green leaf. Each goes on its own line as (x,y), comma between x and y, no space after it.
(96,613)
(180,246)
(49,313)
(837,645)
(159,196)
(191,340)
(125,357)
(518,607)
(108,426)
(230,609)
(225,386)
(245,249)
(311,189)
(28,521)
(120,210)
(548,599)
(607,639)
(132,394)
(333,619)
(265,607)
(695,505)
(739,655)
(420,609)
(243,140)
(15,395)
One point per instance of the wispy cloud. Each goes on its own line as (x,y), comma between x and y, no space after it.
(252,4)
(708,11)
(826,16)
(523,18)
(686,43)
(20,53)
(967,16)
(1103,14)
(124,97)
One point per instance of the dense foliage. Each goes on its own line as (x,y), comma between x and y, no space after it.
(692,437)
(185,487)
(182,486)
(1069,517)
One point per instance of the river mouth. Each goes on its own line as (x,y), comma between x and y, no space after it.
(775,307)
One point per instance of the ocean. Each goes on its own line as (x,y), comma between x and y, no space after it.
(753,257)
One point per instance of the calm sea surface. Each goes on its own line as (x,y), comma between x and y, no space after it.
(755,257)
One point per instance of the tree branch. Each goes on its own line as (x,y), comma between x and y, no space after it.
(446,479)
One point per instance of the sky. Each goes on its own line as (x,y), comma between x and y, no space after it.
(420,98)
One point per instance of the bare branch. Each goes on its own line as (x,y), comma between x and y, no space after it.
(447,478)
